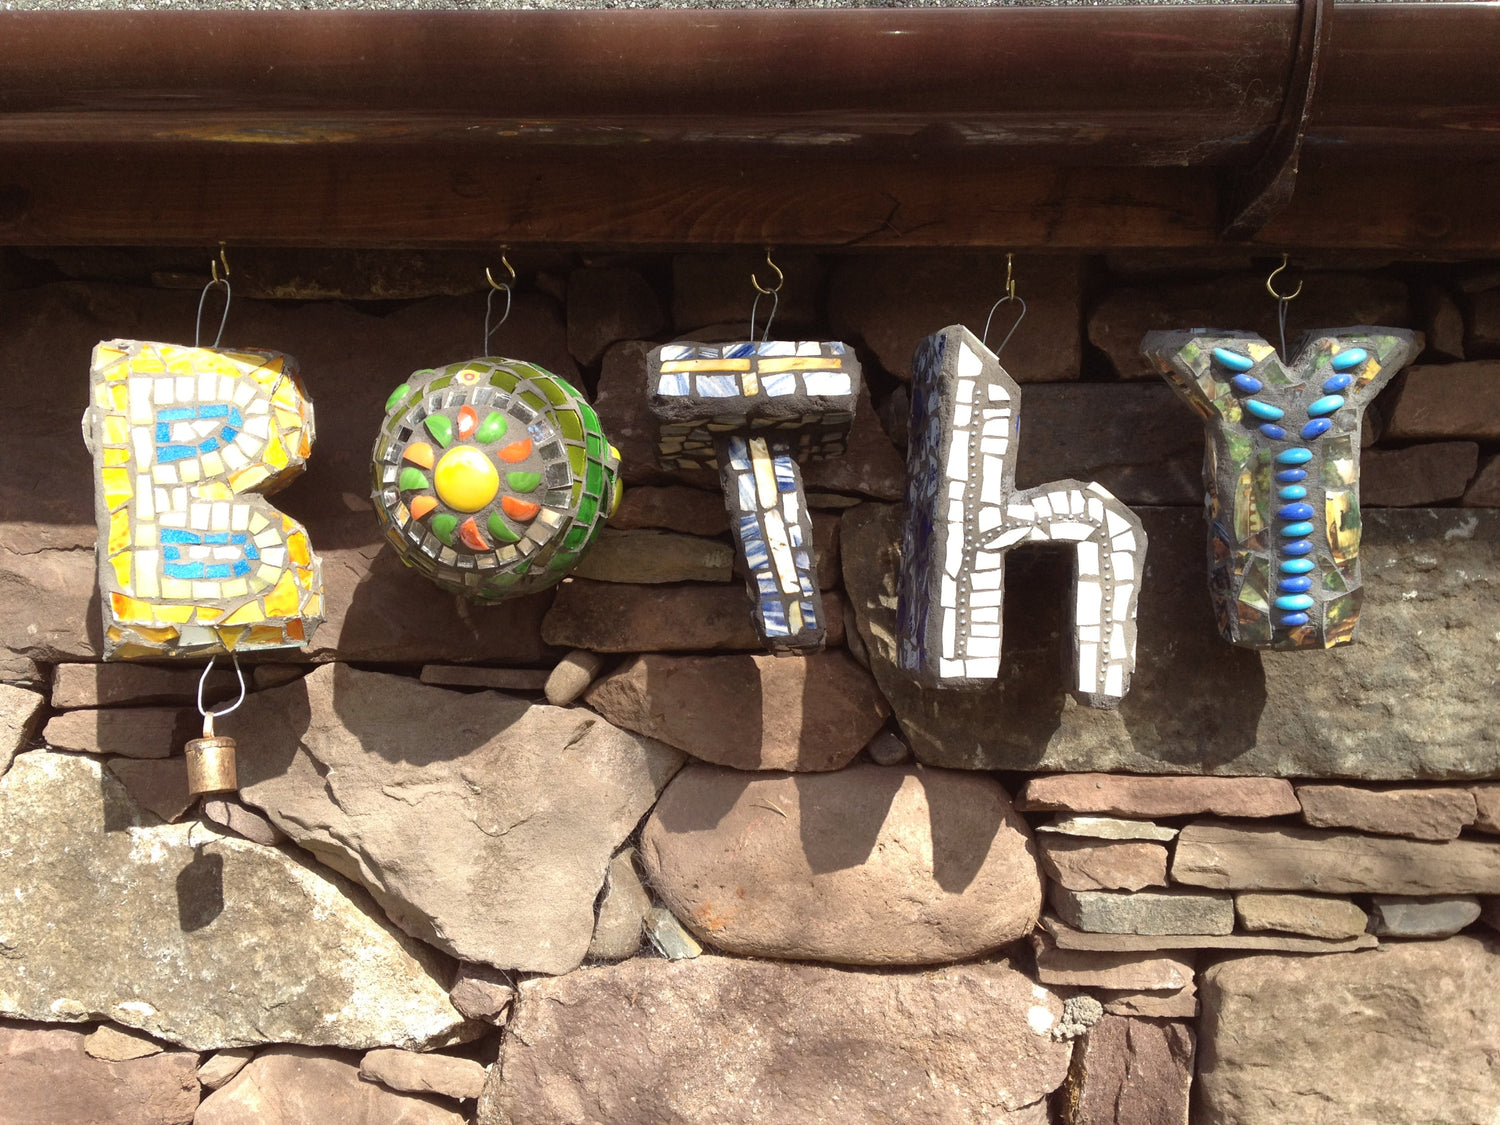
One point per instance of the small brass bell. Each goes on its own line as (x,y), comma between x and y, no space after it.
(210,762)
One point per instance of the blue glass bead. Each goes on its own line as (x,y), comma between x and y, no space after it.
(1289,475)
(1295,512)
(1348,359)
(1294,602)
(1300,547)
(1292,620)
(1297,530)
(1233,360)
(1296,585)
(1246,384)
(1325,405)
(1263,410)
(1292,492)
(1316,428)
(1338,382)
(1298,566)
(1275,433)
(1294,456)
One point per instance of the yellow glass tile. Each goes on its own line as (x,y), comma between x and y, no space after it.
(128,610)
(146,363)
(116,457)
(119,395)
(131,651)
(288,420)
(119,531)
(314,607)
(213,465)
(1259,352)
(266,635)
(1342,523)
(614,497)
(304,444)
(234,588)
(176,588)
(672,365)
(297,547)
(115,634)
(794,617)
(248,478)
(215,490)
(801,363)
(121,563)
(282,601)
(145,535)
(749,384)
(116,430)
(247,614)
(230,638)
(276,454)
(207,614)
(275,364)
(294,630)
(175,614)
(285,396)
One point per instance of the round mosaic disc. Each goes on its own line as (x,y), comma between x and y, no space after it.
(492,476)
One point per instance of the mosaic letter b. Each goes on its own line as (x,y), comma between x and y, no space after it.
(189,563)
(1281,466)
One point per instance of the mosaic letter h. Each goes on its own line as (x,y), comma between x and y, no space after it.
(963,514)
(1281,466)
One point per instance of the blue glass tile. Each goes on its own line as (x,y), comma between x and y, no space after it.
(1275,433)
(1297,530)
(1263,410)
(1233,360)
(169,453)
(1328,404)
(1297,584)
(218,571)
(176,414)
(176,535)
(1349,358)
(1287,476)
(214,410)
(1316,428)
(1300,547)
(1294,602)
(1295,512)
(1297,456)
(1246,384)
(1337,382)
(241,569)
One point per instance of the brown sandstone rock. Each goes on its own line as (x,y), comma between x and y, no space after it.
(656,557)
(1067,937)
(1423,814)
(411,1072)
(18,714)
(157,784)
(1267,858)
(715,288)
(869,865)
(607,304)
(1125,795)
(47,1078)
(117,1044)
(1182,1004)
(223,1065)
(616,617)
(1412,699)
(1450,400)
(242,821)
(691,511)
(1131,1072)
(1175,911)
(1420,474)
(196,938)
(1105,828)
(112,685)
(298,1086)
(571,676)
(1411,916)
(1487,807)
(749,1041)
(622,911)
(1484,491)
(482,992)
(474,676)
(890,302)
(482,824)
(749,712)
(1315,915)
(132,732)
(1127,972)
(1081,864)
(1392,1037)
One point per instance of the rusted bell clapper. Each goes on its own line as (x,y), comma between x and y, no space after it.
(210,762)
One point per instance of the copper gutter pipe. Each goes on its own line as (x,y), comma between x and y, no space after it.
(1112,85)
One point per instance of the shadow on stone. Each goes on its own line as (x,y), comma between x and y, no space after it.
(200,891)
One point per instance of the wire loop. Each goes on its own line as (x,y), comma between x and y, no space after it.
(208,715)
(1010,295)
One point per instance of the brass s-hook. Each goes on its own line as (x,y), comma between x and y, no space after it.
(509,269)
(780,277)
(213,266)
(1010,279)
(1271,289)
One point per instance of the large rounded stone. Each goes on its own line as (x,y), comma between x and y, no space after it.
(869,865)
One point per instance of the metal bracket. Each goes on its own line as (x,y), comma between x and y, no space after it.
(1253,197)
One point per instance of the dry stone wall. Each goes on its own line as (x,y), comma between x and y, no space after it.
(591,856)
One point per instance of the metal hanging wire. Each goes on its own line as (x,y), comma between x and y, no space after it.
(1010,295)
(1282,299)
(774,293)
(489,300)
(210,715)
(217,281)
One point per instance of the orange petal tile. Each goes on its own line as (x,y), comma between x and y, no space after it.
(468,531)
(519,509)
(468,421)
(422,505)
(516,450)
(419,453)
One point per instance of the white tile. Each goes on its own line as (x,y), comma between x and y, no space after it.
(1117,524)
(827,382)
(970,367)
(1088,559)
(1123,563)
(1008,538)
(1088,604)
(1114,681)
(1069,531)
(1088,666)
(984,646)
